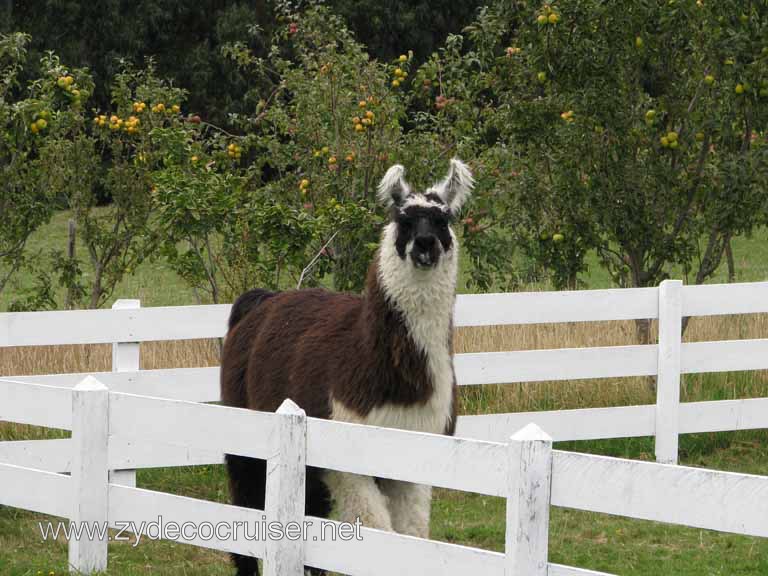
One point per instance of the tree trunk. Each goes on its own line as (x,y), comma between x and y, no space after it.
(731,263)
(69,298)
(96,289)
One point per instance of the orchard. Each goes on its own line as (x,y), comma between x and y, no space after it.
(631,136)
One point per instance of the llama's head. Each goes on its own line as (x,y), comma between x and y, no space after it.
(420,227)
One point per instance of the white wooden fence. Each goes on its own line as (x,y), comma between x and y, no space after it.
(173,429)
(127,324)
(525,471)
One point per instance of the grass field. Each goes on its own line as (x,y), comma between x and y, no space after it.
(588,540)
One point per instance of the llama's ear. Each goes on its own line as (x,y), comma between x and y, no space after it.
(457,185)
(393,188)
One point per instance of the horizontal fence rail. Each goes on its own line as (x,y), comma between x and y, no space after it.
(210,321)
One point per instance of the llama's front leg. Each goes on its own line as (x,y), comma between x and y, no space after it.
(358,496)
(409,506)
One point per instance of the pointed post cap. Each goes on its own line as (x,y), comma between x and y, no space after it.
(531,432)
(89,383)
(290,407)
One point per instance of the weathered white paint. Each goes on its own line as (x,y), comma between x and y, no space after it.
(668,379)
(191,384)
(723,501)
(136,505)
(723,415)
(49,455)
(35,490)
(285,491)
(379,553)
(421,458)
(228,430)
(35,404)
(90,472)
(528,485)
(560,364)
(581,424)
(125,358)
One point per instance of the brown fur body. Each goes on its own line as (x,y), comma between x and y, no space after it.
(314,345)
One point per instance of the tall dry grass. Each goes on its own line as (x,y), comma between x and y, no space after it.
(604,392)
(475,399)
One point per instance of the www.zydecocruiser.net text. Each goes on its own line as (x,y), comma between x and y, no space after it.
(205,531)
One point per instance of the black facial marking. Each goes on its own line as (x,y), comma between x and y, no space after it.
(429,229)
(432,197)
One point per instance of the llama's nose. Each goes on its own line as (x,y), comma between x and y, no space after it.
(425,243)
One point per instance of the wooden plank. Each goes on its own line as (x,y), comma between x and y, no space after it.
(55,455)
(286,490)
(719,299)
(530,474)
(668,379)
(188,322)
(48,455)
(581,424)
(144,419)
(708,499)
(724,356)
(553,307)
(90,474)
(125,358)
(560,364)
(456,463)
(153,513)
(126,452)
(35,404)
(107,326)
(35,490)
(379,553)
(192,384)
(209,321)
(723,415)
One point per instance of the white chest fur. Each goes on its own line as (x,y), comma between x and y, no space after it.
(425,298)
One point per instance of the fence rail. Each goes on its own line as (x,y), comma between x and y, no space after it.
(209,321)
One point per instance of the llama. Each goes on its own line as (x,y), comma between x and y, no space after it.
(383,358)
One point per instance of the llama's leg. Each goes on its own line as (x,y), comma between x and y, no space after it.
(409,506)
(247,482)
(358,496)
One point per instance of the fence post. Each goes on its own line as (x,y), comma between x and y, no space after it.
(90,488)
(285,493)
(668,379)
(528,498)
(125,358)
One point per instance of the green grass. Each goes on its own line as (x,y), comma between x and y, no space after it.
(156,285)
(153,282)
